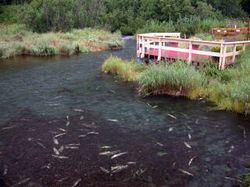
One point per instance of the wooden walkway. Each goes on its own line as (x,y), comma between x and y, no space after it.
(165,46)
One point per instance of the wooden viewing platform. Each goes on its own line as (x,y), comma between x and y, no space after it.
(241,33)
(169,46)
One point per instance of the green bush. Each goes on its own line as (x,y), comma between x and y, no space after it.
(156,26)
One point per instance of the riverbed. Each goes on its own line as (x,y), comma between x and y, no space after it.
(65,123)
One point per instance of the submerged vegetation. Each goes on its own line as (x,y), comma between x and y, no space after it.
(15,40)
(228,89)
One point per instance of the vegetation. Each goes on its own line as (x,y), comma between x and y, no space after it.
(126,70)
(17,40)
(130,17)
(228,89)
(245,180)
(173,79)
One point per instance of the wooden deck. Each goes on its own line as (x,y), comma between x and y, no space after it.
(165,46)
(242,33)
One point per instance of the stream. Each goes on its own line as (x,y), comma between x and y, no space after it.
(65,123)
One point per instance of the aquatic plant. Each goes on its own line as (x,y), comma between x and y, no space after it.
(126,70)
(174,79)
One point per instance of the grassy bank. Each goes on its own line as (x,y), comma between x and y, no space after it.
(229,89)
(15,40)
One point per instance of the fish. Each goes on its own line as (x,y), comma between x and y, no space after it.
(93,133)
(170,129)
(104,170)
(56,151)
(74,144)
(108,153)
(160,144)
(78,110)
(5,171)
(77,182)
(191,160)
(55,141)
(82,117)
(172,116)
(63,130)
(118,155)
(160,154)
(61,149)
(71,147)
(119,168)
(189,136)
(58,135)
(67,124)
(22,182)
(186,172)
(187,145)
(60,157)
(113,120)
(131,163)
(41,145)
(106,147)
(82,135)
(7,128)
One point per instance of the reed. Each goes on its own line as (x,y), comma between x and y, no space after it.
(17,40)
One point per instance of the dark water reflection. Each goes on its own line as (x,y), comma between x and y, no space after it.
(164,136)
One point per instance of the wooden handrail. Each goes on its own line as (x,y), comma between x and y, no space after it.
(153,41)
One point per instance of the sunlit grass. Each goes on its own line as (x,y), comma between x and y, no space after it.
(16,40)
(177,78)
(126,70)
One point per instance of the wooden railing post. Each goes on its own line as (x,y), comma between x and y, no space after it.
(223,56)
(244,47)
(234,53)
(190,52)
(159,50)
(143,48)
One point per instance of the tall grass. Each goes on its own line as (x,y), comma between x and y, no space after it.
(228,89)
(15,40)
(177,78)
(126,70)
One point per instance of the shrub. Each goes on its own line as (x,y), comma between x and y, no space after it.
(156,26)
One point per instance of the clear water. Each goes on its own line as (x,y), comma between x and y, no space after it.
(54,87)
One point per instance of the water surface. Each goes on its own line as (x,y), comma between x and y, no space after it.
(169,141)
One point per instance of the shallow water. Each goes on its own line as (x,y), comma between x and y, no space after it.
(162,135)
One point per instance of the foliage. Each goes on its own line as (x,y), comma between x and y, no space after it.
(245,180)
(10,14)
(126,70)
(188,16)
(164,78)
(16,40)
(156,26)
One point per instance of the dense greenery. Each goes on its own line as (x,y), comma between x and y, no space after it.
(228,89)
(128,16)
(16,40)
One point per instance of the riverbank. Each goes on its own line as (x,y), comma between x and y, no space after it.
(16,40)
(228,89)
